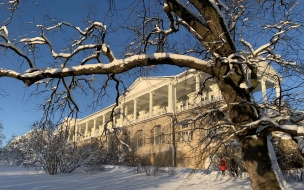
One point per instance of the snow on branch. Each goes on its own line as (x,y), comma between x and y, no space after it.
(32,41)
(116,66)
(192,30)
(283,27)
(4,33)
(12,6)
(234,17)
(266,123)
(78,49)
(84,35)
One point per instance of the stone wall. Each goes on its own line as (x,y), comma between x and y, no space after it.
(159,151)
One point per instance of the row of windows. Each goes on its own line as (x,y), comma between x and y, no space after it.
(158,136)
(184,132)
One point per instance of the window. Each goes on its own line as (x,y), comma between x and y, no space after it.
(157,135)
(190,135)
(185,133)
(185,125)
(139,138)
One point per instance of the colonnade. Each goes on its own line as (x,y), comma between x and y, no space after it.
(134,110)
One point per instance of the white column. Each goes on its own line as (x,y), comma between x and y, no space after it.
(197,83)
(126,115)
(197,89)
(263,86)
(278,90)
(174,98)
(94,128)
(79,130)
(113,120)
(86,129)
(170,98)
(151,104)
(103,123)
(70,132)
(75,133)
(135,109)
(121,115)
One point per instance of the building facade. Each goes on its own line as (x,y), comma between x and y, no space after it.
(153,117)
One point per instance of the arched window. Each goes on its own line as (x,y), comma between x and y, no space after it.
(139,138)
(157,136)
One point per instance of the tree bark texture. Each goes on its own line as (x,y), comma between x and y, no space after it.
(258,164)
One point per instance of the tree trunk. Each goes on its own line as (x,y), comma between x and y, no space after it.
(240,105)
(254,149)
(258,164)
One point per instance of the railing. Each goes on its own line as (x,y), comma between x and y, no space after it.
(160,111)
(182,107)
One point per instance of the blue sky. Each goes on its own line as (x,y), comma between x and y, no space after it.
(18,110)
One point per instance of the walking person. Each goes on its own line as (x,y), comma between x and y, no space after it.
(223,165)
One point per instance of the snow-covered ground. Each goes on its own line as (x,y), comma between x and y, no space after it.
(119,178)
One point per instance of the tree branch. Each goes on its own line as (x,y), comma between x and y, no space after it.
(115,67)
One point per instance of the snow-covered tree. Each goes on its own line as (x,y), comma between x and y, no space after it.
(223,38)
(48,148)
(11,153)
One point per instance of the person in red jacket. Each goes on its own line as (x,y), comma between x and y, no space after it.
(223,165)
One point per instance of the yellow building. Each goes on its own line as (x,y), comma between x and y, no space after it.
(155,117)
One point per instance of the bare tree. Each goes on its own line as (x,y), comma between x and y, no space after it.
(2,137)
(225,39)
